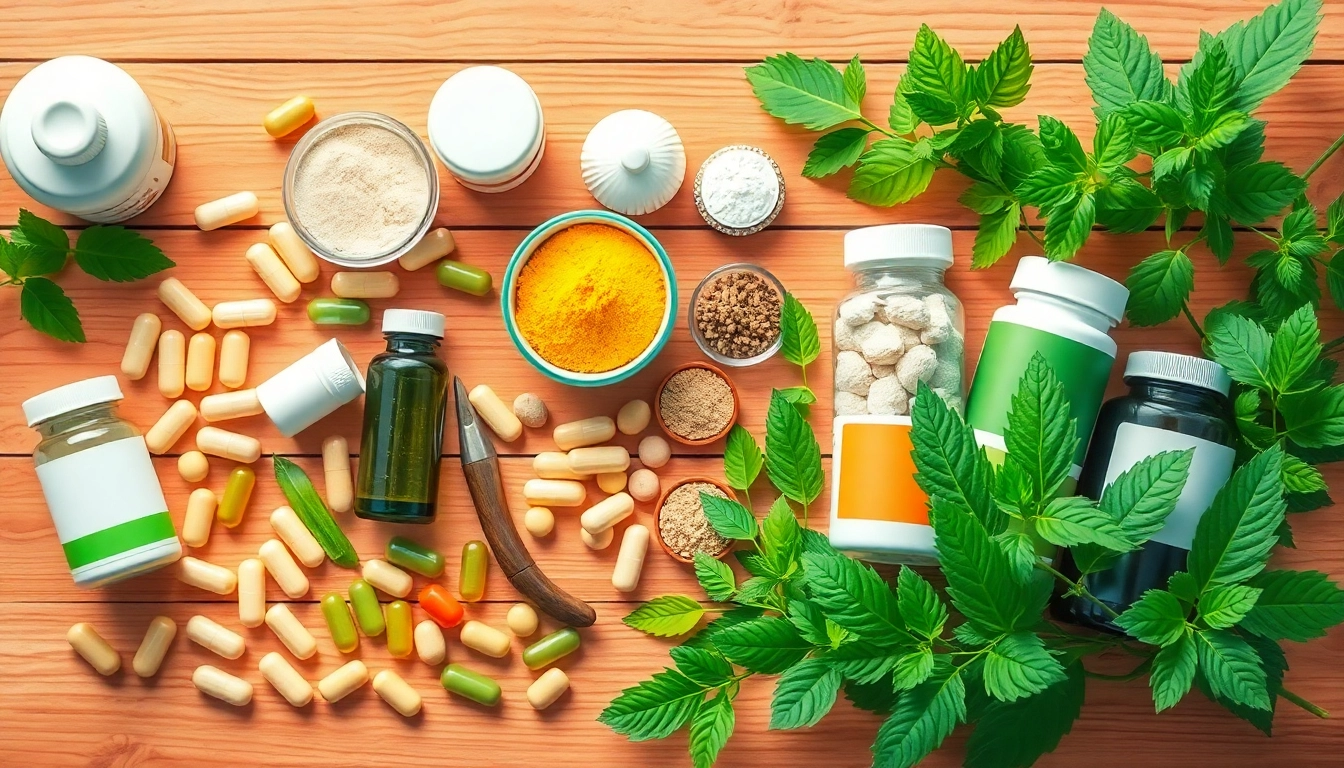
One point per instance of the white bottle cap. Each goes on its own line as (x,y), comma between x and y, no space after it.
(485,124)
(633,162)
(1071,283)
(71,397)
(314,386)
(899,245)
(1182,369)
(414,321)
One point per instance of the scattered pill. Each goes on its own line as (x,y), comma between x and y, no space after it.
(554,493)
(200,372)
(600,541)
(441,606)
(273,272)
(539,521)
(208,634)
(531,410)
(339,623)
(245,313)
(607,513)
(410,556)
(471,685)
(545,690)
(388,578)
(368,611)
(436,244)
(234,352)
(298,258)
(577,434)
(237,492)
(484,638)
(522,620)
(595,461)
(365,285)
(554,465)
(251,592)
(227,210)
(158,637)
(170,427)
(219,684)
(343,681)
(463,277)
(400,631)
(223,406)
(551,648)
(297,537)
(140,346)
(286,680)
(184,304)
(207,576)
(611,482)
(633,417)
(654,451)
(193,466)
(283,569)
(429,643)
(495,413)
(630,561)
(287,118)
(291,631)
(644,485)
(228,445)
(471,577)
(397,693)
(338,312)
(93,648)
(200,514)
(172,363)
(336,471)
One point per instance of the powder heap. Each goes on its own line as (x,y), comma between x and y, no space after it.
(739,187)
(682,523)
(590,299)
(738,314)
(696,404)
(361,190)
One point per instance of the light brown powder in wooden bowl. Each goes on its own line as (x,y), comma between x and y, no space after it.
(696,404)
(683,526)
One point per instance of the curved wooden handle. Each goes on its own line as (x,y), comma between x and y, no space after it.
(487,493)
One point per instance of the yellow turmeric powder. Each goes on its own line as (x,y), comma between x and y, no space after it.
(590,299)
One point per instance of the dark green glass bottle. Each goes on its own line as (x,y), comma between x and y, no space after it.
(404,407)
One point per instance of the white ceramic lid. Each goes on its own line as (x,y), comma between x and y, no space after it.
(418,321)
(71,397)
(485,124)
(906,245)
(1072,283)
(633,162)
(1183,369)
(314,386)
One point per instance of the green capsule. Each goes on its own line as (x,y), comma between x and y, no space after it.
(406,554)
(342,627)
(400,642)
(551,648)
(471,580)
(237,492)
(473,685)
(369,614)
(338,312)
(463,277)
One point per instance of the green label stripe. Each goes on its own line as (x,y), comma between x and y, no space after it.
(119,538)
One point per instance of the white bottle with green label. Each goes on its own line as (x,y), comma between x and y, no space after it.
(100,485)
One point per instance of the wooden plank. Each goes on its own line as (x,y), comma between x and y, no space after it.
(513,30)
(223,149)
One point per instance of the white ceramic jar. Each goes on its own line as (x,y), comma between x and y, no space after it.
(486,126)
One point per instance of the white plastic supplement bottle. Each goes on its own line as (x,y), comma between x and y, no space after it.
(100,484)
(78,134)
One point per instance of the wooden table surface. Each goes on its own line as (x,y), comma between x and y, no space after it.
(213,70)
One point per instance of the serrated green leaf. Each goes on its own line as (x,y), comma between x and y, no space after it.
(800,344)
(1004,78)
(804,694)
(1314,419)
(930,109)
(1173,672)
(49,243)
(1158,287)
(810,93)
(1294,350)
(936,69)
(1156,618)
(1294,605)
(810,622)
(1184,587)
(706,667)
(1119,66)
(792,455)
(781,536)
(1069,225)
(1126,206)
(1019,666)
(1020,547)
(705,638)
(710,728)
(654,708)
(742,458)
(979,579)
(1300,477)
(1015,735)
(1218,236)
(920,608)
(923,717)
(767,645)
(666,616)
(1266,51)
(1222,130)
(1156,125)
(950,463)
(1209,87)
(891,171)
(1222,607)
(730,519)
(901,117)
(46,307)
(1040,435)
(1232,668)
(985,197)
(912,669)
(852,595)
(1072,520)
(855,81)
(1139,501)
(1241,346)
(1234,536)
(1061,145)
(835,151)
(996,236)
(1258,191)
(715,577)
(1050,186)
(1113,146)
(757,590)
(118,254)
(21,260)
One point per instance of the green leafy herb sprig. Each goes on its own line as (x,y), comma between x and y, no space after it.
(36,248)
(799,344)
(982,654)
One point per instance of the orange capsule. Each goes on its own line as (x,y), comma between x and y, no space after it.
(441,606)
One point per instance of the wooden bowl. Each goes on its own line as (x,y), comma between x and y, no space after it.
(658,398)
(658,514)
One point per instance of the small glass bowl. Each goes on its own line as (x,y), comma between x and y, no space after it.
(720,226)
(703,343)
(355,118)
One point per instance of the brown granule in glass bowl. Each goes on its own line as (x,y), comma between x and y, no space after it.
(696,404)
(682,523)
(738,314)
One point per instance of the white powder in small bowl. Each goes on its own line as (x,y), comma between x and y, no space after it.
(739,187)
(361,190)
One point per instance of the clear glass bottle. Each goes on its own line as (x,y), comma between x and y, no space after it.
(99,484)
(900,328)
(404,408)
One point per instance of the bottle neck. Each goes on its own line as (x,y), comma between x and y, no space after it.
(412,343)
(1049,304)
(76,420)
(1183,396)
(872,278)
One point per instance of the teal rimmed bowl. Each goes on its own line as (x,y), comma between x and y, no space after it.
(524,252)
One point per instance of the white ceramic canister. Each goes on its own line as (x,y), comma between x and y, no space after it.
(79,135)
(486,126)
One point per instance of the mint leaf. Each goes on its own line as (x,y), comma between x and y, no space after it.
(1072,520)
(1015,735)
(1232,668)
(50,243)
(1019,666)
(1294,605)
(781,536)
(1003,79)
(1126,206)
(1294,350)
(1069,225)
(801,397)
(1113,146)
(21,260)
(936,69)
(1050,186)
(768,645)
(923,717)
(852,595)
(950,464)
(1223,607)
(835,151)
(804,694)
(118,254)
(1173,672)
(1241,346)
(1041,437)
(1217,232)
(715,577)
(855,80)
(1061,145)
(1258,191)
(891,171)
(1158,287)
(742,458)
(912,669)
(1139,501)
(996,236)
(930,109)
(46,307)
(800,343)
(810,93)
(1157,618)
(1120,68)
(1234,536)
(1156,125)
(979,578)
(666,616)
(919,606)
(705,667)
(792,455)
(1210,86)
(1267,51)
(1301,477)
(808,619)
(654,708)
(710,728)
(730,519)
(900,116)
(1314,419)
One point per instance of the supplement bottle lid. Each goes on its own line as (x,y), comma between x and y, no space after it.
(312,387)
(485,124)
(418,321)
(903,245)
(1182,369)
(71,397)
(633,162)
(1072,283)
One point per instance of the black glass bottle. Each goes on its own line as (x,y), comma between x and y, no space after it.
(1174,402)
(404,407)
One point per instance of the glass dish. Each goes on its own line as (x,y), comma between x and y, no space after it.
(703,343)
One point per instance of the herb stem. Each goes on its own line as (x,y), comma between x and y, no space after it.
(1185,309)
(1268,237)
(1076,587)
(1030,232)
(1330,345)
(1134,674)
(1301,702)
(1326,156)
(875,127)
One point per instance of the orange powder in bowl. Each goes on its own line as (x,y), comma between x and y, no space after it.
(590,299)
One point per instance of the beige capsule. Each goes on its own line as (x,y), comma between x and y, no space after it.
(200,373)
(215,682)
(630,560)
(387,577)
(577,434)
(336,472)
(283,569)
(93,648)
(170,427)
(273,272)
(554,493)
(300,260)
(140,346)
(234,353)
(208,634)
(223,406)
(365,285)
(227,210)
(397,693)
(484,638)
(158,637)
(193,466)
(607,513)
(285,679)
(429,643)
(599,460)
(633,417)
(522,620)
(545,690)
(597,541)
(228,445)
(291,631)
(251,592)
(172,363)
(200,515)
(245,313)
(184,304)
(554,465)
(343,681)
(206,575)
(495,413)
(433,246)
(291,530)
